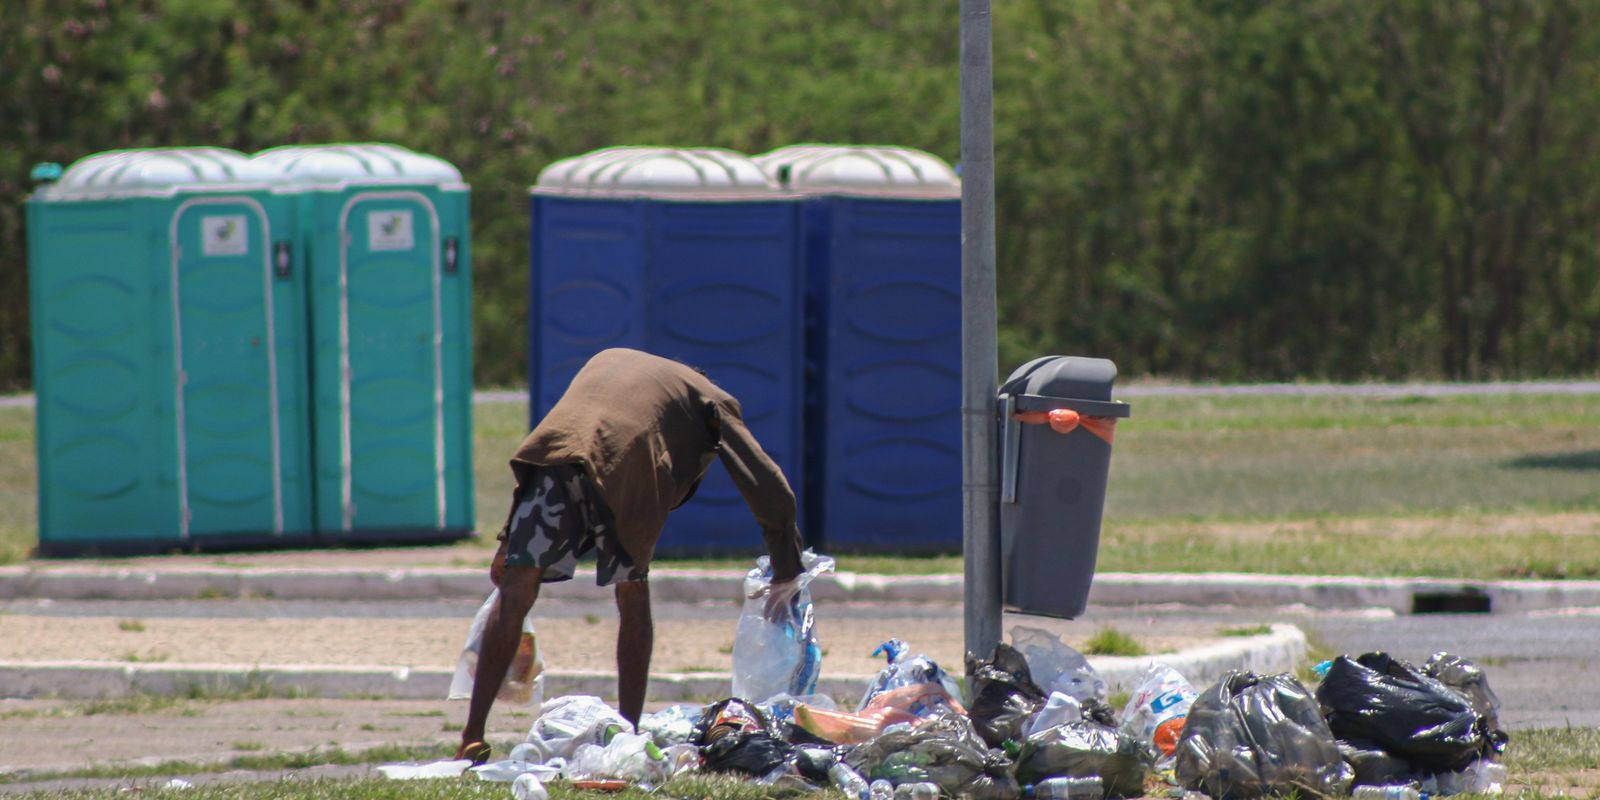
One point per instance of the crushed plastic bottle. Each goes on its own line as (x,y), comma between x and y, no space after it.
(528,787)
(1065,788)
(922,790)
(1386,793)
(850,782)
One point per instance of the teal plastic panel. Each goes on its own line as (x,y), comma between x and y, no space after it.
(244,442)
(392,365)
(170,358)
(104,413)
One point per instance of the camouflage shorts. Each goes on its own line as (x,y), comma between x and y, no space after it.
(558,519)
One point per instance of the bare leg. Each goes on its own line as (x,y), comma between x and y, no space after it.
(635,641)
(519,588)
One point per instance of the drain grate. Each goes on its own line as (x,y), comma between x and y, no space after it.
(1464,601)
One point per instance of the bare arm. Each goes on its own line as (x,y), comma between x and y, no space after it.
(765,491)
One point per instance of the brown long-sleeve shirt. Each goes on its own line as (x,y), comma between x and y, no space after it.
(646,429)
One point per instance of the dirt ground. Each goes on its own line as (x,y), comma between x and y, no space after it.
(567,642)
(51,735)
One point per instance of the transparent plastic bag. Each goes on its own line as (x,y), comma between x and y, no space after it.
(1060,709)
(1085,749)
(782,656)
(572,721)
(1467,678)
(1156,711)
(946,751)
(905,670)
(1056,667)
(671,725)
(524,681)
(1251,735)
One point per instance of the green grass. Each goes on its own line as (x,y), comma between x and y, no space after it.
(1112,642)
(1457,487)
(1548,760)
(130,625)
(1245,630)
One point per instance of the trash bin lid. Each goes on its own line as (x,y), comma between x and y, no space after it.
(1081,384)
(864,170)
(342,164)
(678,173)
(158,172)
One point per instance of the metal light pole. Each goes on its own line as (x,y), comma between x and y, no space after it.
(979,357)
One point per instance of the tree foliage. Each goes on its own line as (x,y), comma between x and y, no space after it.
(1222,189)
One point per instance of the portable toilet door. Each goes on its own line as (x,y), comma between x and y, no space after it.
(387,233)
(169,355)
(883,276)
(691,254)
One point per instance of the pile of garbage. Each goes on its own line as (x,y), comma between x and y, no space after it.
(1033,722)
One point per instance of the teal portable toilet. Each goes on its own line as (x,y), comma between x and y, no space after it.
(385,232)
(169,356)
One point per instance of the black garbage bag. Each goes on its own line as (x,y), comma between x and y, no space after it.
(1003,695)
(1097,710)
(755,754)
(1251,735)
(730,716)
(1084,750)
(1371,766)
(734,736)
(1380,699)
(1467,678)
(945,750)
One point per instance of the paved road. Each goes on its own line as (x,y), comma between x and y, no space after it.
(1540,663)
(1353,389)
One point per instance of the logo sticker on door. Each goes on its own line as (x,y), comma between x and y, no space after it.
(224,236)
(389,230)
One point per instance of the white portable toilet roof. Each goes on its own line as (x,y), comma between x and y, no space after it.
(343,164)
(860,170)
(159,172)
(679,173)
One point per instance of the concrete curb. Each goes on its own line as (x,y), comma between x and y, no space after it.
(1281,650)
(1402,595)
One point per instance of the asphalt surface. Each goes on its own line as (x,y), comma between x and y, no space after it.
(1539,663)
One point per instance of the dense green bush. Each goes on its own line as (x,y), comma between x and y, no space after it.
(1203,188)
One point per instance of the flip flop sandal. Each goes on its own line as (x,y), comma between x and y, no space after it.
(477,752)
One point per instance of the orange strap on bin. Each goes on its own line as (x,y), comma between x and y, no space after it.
(1065,420)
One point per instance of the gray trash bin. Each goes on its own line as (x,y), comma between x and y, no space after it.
(1053,479)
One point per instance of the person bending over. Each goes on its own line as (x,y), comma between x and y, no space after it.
(628,442)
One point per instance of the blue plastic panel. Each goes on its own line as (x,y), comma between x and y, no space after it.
(712,284)
(885,282)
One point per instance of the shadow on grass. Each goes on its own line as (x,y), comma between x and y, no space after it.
(1575,461)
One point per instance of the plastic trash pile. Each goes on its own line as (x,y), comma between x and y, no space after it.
(1033,722)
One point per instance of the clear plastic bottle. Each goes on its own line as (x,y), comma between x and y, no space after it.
(849,781)
(1491,778)
(1065,788)
(917,791)
(1386,793)
(881,789)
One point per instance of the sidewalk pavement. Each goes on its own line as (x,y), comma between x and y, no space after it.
(191,579)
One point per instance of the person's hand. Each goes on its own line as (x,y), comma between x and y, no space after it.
(779,595)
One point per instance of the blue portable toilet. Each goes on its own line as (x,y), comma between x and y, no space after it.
(691,254)
(882,229)
(170,357)
(388,261)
